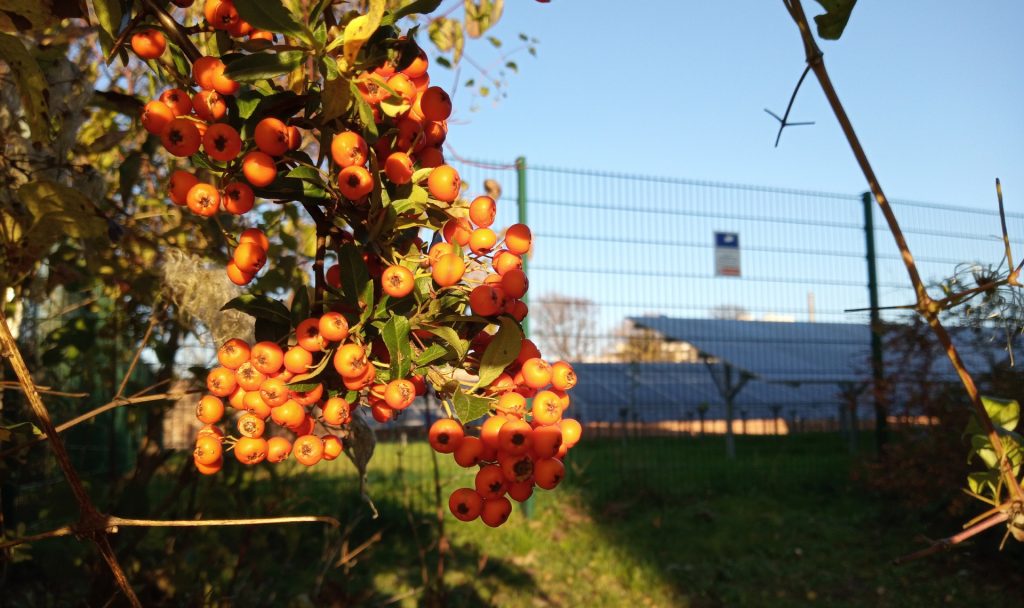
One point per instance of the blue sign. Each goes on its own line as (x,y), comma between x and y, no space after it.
(727,254)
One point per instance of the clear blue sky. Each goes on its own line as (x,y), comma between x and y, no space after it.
(935,89)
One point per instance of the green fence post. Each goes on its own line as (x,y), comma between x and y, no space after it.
(877,367)
(527,505)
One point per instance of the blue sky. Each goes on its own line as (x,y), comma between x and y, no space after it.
(934,88)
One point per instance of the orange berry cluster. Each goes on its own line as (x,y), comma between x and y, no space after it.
(254,380)
(518,449)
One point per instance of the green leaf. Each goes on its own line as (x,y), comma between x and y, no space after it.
(260,307)
(833,22)
(258,66)
(502,350)
(365,115)
(269,15)
(979,481)
(470,407)
(62,208)
(430,354)
(307,381)
(336,98)
(354,277)
(32,85)
(1004,413)
(359,30)
(481,15)
(417,7)
(396,337)
(446,34)
(108,17)
(449,335)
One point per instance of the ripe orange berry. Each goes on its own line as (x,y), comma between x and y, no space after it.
(445,435)
(512,403)
(571,431)
(177,100)
(436,104)
(482,240)
(434,132)
(355,182)
(505,261)
(469,452)
(490,481)
(465,504)
(548,473)
(333,276)
(212,469)
(515,437)
(515,468)
(496,511)
(527,350)
(397,281)
(308,449)
(307,334)
(259,168)
(251,425)
(333,326)
(157,117)
(222,83)
(444,183)
(398,167)
(203,71)
(418,66)
(298,360)
(438,250)
(249,378)
(249,257)
(149,43)
(489,430)
(209,105)
(251,450)
(208,450)
(266,357)
(181,137)
(210,409)
(221,382)
(179,185)
(457,230)
(274,391)
(358,383)
(261,35)
(203,199)
(233,353)
(271,136)
(518,238)
(255,405)
(255,235)
(381,412)
(482,211)
(308,398)
(332,447)
(563,377)
(336,411)
(520,491)
(431,156)
(546,441)
(448,270)
(486,300)
(289,414)
(278,449)
(348,149)
(547,408)
(238,198)
(515,283)
(350,361)
(236,275)
(221,142)
(536,372)
(400,394)
(237,398)
(403,86)
(294,138)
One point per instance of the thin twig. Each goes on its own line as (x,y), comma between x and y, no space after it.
(946,544)
(89,514)
(138,353)
(926,307)
(1012,279)
(784,121)
(42,390)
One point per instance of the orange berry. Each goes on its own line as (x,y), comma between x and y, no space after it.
(310,397)
(332,447)
(520,491)
(505,261)
(298,360)
(308,449)
(400,394)
(350,361)
(178,101)
(255,405)
(211,469)
(210,409)
(512,403)
(336,411)
(179,185)
(548,473)
(515,467)
(546,441)
(271,136)
(221,382)
(249,257)
(289,414)
(465,504)
(536,372)
(259,168)
(444,183)
(445,435)
(333,326)
(149,43)
(515,437)
(233,353)
(482,240)
(266,357)
(436,104)
(274,392)
(397,281)
(203,71)
(203,199)
(208,450)
(157,117)
(490,481)
(355,182)
(457,231)
(307,334)
(251,425)
(209,105)
(496,511)
(562,376)
(518,238)
(482,211)
(237,398)
(348,148)
(547,408)
(221,142)
(255,235)
(490,429)
(486,300)
(249,378)
(236,275)
(448,270)
(251,450)
(278,449)
(469,452)
(238,198)
(571,431)
(181,137)
(398,167)
(403,86)
(431,156)
(515,283)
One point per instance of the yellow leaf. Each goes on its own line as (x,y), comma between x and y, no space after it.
(359,30)
(24,15)
(66,209)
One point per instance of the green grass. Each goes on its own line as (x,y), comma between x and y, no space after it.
(653,522)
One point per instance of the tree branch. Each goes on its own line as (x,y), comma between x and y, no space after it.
(948,543)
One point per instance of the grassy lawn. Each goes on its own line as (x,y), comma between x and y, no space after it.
(653,522)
